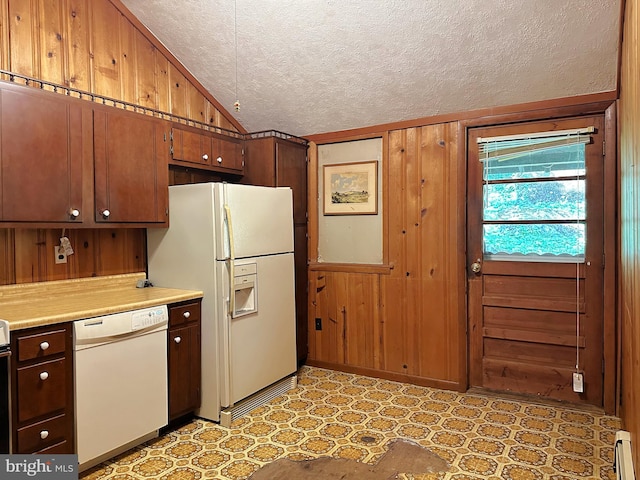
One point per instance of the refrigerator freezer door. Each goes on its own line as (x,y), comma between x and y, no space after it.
(261,217)
(261,347)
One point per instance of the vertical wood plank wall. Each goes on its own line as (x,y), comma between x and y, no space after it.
(630,227)
(404,323)
(95,46)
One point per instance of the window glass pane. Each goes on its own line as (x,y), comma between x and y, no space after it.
(535,239)
(566,160)
(535,201)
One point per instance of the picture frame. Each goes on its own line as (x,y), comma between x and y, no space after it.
(350,188)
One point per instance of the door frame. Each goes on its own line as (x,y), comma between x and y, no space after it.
(611,338)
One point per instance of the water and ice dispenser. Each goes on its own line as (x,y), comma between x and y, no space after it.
(245,290)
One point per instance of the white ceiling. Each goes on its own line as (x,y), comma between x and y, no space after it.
(313,66)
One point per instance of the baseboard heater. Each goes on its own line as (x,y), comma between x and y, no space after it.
(623,461)
(257,400)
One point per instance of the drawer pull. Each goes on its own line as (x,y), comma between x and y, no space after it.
(186,314)
(177,339)
(44,375)
(44,434)
(44,346)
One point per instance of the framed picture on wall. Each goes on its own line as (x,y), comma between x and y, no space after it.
(350,188)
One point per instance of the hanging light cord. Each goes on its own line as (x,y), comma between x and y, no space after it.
(235,40)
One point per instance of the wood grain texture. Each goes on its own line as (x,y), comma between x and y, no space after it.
(77,31)
(100,47)
(406,304)
(105,50)
(28,254)
(630,227)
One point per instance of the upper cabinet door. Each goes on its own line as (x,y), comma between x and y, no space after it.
(131,167)
(42,139)
(191,146)
(227,154)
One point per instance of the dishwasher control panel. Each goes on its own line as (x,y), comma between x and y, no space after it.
(149,318)
(93,331)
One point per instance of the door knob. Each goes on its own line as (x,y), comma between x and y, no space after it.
(476,266)
(105,213)
(177,339)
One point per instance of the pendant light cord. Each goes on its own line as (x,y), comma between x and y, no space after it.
(235,41)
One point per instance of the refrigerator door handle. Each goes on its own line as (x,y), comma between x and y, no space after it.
(231,260)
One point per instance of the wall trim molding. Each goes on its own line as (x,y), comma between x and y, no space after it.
(375,130)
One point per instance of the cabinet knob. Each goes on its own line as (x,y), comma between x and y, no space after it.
(44,345)
(205,157)
(44,375)
(74,213)
(219,159)
(106,213)
(44,434)
(177,339)
(186,314)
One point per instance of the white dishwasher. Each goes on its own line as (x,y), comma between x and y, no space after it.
(120,364)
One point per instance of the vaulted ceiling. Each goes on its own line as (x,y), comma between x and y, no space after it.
(313,66)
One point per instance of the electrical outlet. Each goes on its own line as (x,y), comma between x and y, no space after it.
(318,324)
(60,255)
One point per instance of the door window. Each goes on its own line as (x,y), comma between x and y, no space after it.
(534,198)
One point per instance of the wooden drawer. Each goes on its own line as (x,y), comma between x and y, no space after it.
(41,345)
(184,313)
(38,396)
(30,439)
(58,448)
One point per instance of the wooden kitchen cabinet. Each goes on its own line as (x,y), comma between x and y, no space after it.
(273,161)
(227,154)
(202,149)
(45,145)
(190,144)
(66,162)
(131,168)
(183,356)
(42,390)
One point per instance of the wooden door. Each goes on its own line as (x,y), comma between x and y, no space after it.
(43,139)
(291,171)
(131,168)
(184,369)
(536,299)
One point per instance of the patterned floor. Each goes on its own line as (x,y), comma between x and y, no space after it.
(351,416)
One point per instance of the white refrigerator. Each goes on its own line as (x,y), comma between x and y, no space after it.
(235,243)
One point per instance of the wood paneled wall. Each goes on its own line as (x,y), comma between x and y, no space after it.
(99,47)
(404,321)
(630,227)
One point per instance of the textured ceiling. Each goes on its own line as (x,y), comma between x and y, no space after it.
(313,66)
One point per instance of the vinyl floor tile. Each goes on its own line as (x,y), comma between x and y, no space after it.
(351,416)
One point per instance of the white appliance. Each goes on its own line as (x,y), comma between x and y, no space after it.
(235,243)
(120,373)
